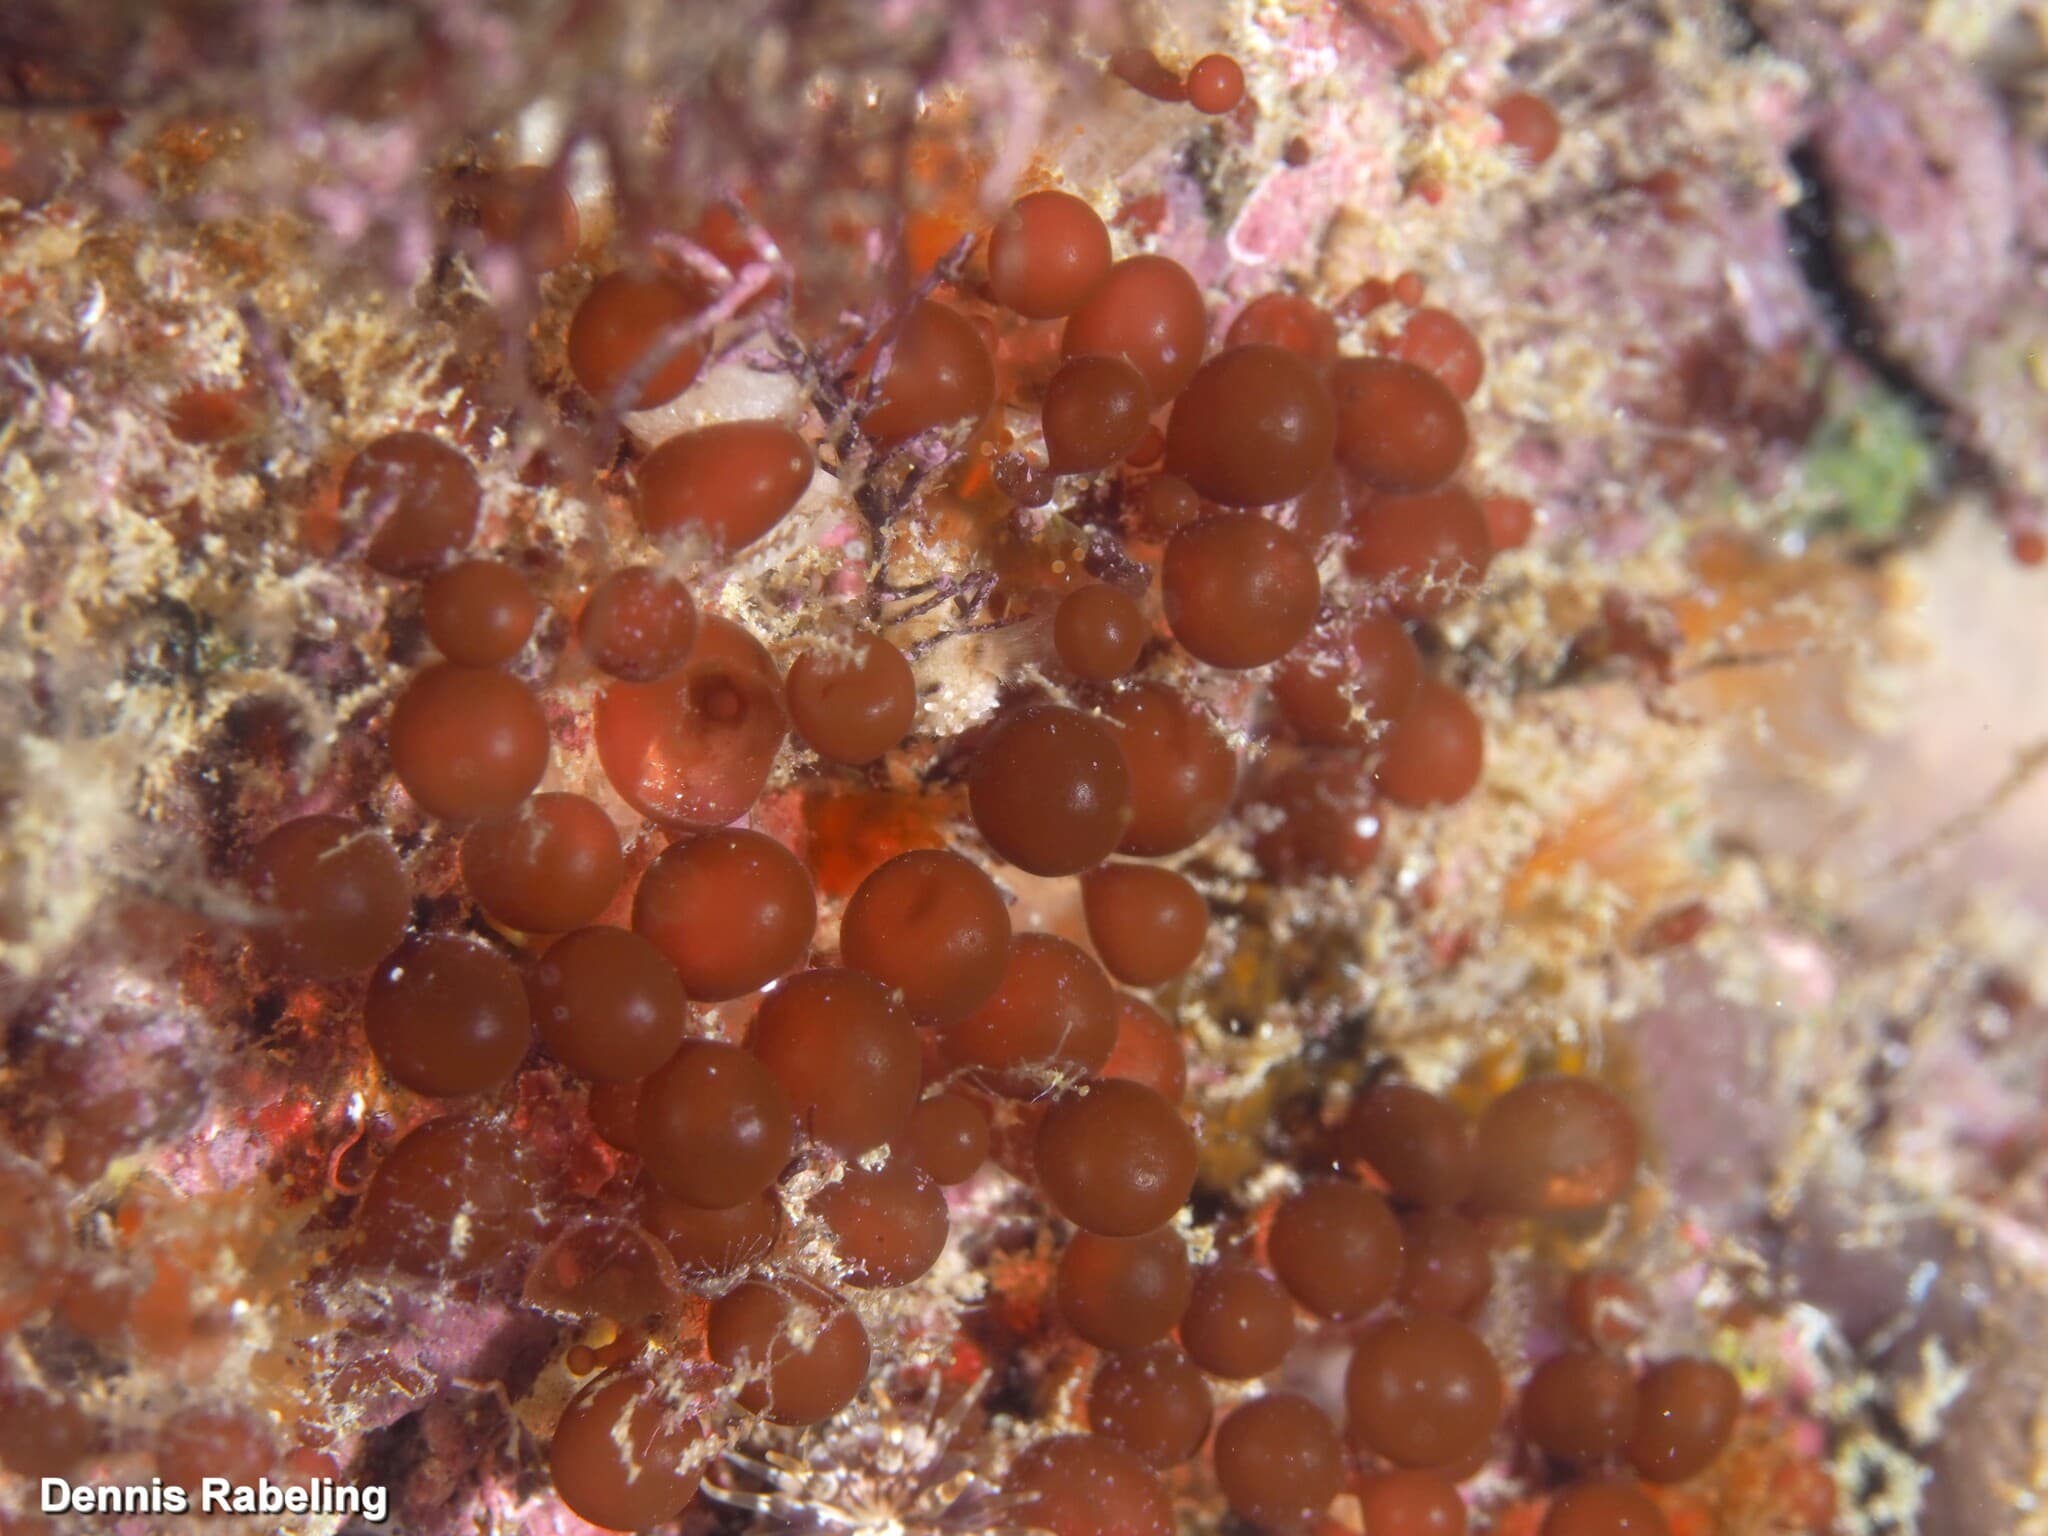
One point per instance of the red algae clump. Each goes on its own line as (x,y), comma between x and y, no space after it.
(775,775)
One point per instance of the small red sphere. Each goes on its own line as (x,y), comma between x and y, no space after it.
(1215,85)
(330,893)
(1438,340)
(467,741)
(1278,1460)
(852,703)
(1049,789)
(550,865)
(1239,591)
(639,624)
(1149,312)
(932,926)
(1422,1391)
(845,1052)
(1098,631)
(420,498)
(732,911)
(1528,126)
(447,1015)
(800,1352)
(733,481)
(939,373)
(714,1126)
(1047,255)
(629,344)
(608,1004)
(1420,551)
(1399,428)
(1435,755)
(1096,408)
(479,613)
(1254,427)
(1117,1159)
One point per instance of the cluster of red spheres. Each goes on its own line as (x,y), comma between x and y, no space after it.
(744,1031)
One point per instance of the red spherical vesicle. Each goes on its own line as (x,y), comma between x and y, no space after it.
(1161,507)
(1253,428)
(418,496)
(1411,1503)
(1098,631)
(1239,1323)
(1047,255)
(696,747)
(801,1353)
(1149,312)
(1049,789)
(447,1015)
(607,1004)
(1116,1160)
(1417,1143)
(1445,1266)
(1420,551)
(888,1224)
(845,1052)
(552,864)
(638,624)
(1216,84)
(626,343)
(1315,818)
(1528,126)
(1603,1509)
(330,894)
(454,1200)
(1182,772)
(1555,1146)
(714,1126)
(467,741)
(1436,753)
(1579,1407)
(932,926)
(939,372)
(851,704)
(1278,1460)
(1152,1402)
(949,1137)
(706,1242)
(1336,1247)
(1239,591)
(1087,1485)
(1147,1050)
(1123,1293)
(1052,1012)
(623,1456)
(1422,1391)
(1095,409)
(1684,1418)
(1146,923)
(733,481)
(1439,341)
(1286,320)
(732,910)
(1337,698)
(479,613)
(1399,428)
